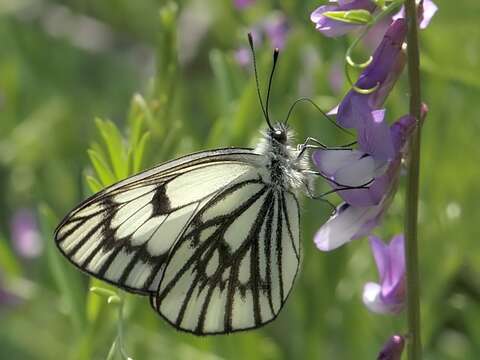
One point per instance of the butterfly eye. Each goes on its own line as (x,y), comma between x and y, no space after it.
(280,136)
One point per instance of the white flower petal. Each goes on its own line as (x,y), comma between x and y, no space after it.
(344,226)
(330,161)
(356,173)
(371,298)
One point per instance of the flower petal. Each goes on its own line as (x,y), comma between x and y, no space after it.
(393,281)
(333,28)
(327,26)
(359,173)
(347,224)
(371,298)
(374,136)
(392,349)
(429,9)
(354,168)
(401,130)
(381,254)
(425,14)
(346,167)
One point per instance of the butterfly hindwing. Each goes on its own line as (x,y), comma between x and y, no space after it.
(235,264)
(124,234)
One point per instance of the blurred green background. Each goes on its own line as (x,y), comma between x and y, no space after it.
(63,63)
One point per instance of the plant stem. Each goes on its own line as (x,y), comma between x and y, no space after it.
(414,347)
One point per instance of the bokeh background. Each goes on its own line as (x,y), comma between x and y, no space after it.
(181,68)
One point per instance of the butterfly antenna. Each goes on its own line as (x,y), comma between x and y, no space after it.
(275,59)
(325,115)
(250,41)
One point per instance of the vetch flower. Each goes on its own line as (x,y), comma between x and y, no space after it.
(364,208)
(242,56)
(392,349)
(276,27)
(242,4)
(387,296)
(356,109)
(25,234)
(333,28)
(355,168)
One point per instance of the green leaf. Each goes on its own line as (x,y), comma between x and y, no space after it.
(94,184)
(136,118)
(357,17)
(95,303)
(113,139)
(138,152)
(168,14)
(101,168)
(8,260)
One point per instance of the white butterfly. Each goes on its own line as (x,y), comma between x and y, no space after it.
(211,237)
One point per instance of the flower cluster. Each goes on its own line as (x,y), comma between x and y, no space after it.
(366,177)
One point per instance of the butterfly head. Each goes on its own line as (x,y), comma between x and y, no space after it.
(279,133)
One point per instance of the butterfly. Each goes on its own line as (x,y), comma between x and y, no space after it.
(213,237)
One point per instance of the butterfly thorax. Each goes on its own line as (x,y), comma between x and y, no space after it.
(285,167)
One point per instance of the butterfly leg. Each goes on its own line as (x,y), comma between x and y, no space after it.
(312,196)
(316,144)
(342,186)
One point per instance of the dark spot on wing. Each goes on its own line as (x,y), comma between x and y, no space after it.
(161,202)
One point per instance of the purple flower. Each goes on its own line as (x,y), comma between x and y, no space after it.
(332,28)
(364,208)
(392,349)
(354,168)
(387,296)
(356,109)
(25,234)
(242,56)
(276,27)
(426,10)
(242,4)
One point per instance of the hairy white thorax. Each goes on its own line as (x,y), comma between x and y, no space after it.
(286,167)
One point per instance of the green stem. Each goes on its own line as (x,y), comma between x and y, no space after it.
(414,347)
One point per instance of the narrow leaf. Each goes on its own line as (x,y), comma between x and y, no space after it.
(139,151)
(113,139)
(101,168)
(94,184)
(8,261)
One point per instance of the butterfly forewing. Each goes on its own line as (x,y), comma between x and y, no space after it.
(234,266)
(125,233)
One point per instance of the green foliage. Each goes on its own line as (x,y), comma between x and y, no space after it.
(65,63)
